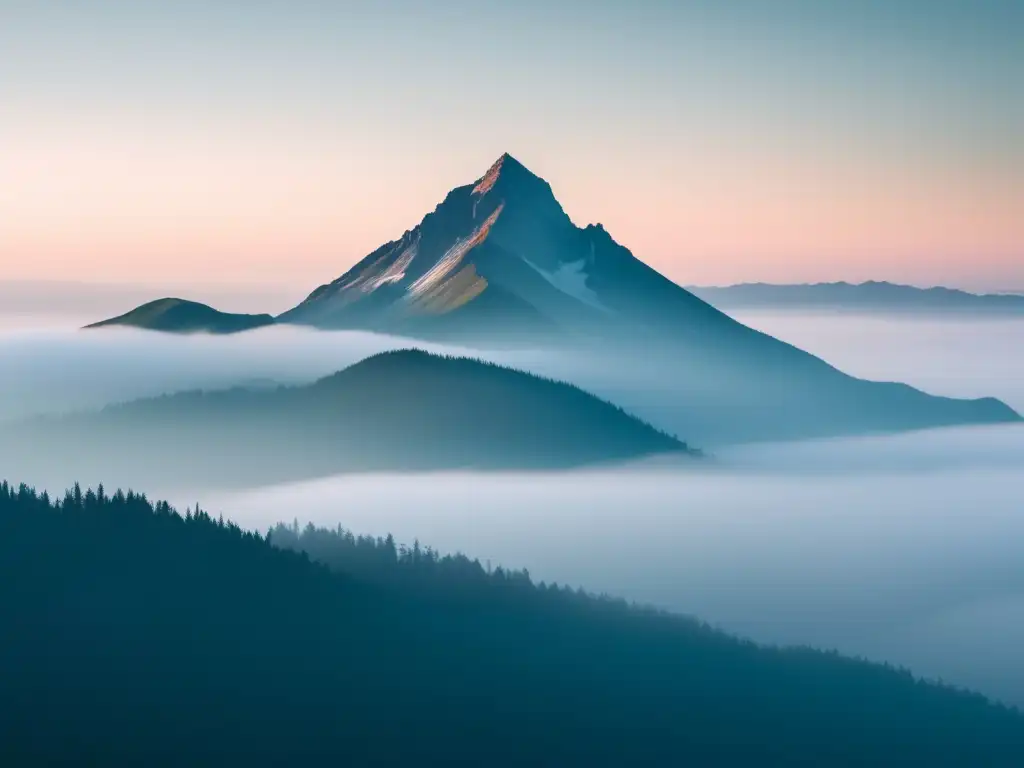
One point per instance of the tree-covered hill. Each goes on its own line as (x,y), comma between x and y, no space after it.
(405,410)
(136,636)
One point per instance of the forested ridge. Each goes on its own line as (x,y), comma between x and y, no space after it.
(139,636)
(399,411)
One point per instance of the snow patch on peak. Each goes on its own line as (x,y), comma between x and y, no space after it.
(571,279)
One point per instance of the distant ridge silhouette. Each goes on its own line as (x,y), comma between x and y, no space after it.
(870,296)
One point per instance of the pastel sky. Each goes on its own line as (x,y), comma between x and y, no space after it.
(258,141)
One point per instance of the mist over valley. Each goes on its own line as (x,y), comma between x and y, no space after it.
(902,548)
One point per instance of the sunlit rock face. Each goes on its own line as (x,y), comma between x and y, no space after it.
(500,255)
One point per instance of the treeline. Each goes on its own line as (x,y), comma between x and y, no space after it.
(135,635)
(381,560)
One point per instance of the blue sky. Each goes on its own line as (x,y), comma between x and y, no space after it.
(720,141)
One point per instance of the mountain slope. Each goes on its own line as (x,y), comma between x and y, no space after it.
(500,260)
(871,296)
(405,410)
(145,638)
(181,316)
(464,263)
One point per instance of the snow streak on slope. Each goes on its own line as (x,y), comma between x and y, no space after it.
(439,291)
(379,273)
(396,271)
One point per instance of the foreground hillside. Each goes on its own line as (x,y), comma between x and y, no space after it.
(397,411)
(146,638)
(181,316)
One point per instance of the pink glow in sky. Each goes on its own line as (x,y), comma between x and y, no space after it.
(283,148)
(150,207)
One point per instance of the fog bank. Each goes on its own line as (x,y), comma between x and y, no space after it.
(60,368)
(902,548)
(917,564)
(958,358)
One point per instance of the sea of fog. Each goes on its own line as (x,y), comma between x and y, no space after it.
(906,549)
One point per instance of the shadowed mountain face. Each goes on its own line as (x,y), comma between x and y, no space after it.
(181,316)
(405,410)
(871,296)
(499,260)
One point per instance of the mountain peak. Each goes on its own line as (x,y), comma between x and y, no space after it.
(504,167)
(508,161)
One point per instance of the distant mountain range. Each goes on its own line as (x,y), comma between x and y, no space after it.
(396,411)
(499,262)
(861,297)
(181,316)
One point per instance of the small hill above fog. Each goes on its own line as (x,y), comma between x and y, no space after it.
(181,316)
(397,411)
(871,296)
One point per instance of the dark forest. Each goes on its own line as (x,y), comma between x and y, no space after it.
(136,635)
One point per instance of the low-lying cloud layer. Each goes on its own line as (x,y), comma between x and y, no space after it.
(916,566)
(902,548)
(58,369)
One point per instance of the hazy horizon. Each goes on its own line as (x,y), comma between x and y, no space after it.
(56,303)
